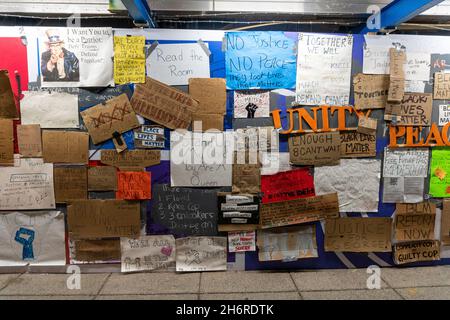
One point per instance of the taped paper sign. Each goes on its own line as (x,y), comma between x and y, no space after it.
(65,146)
(189,164)
(163,104)
(376,61)
(95,251)
(371,91)
(174,64)
(445,222)
(238,212)
(260,60)
(441,85)
(356,181)
(32,238)
(416,251)
(357,145)
(439,173)
(8,108)
(251,104)
(287,243)
(50,110)
(414,225)
(397,59)
(149,137)
(406,162)
(287,185)
(129,59)
(29,140)
(185,211)
(241,241)
(76,57)
(130,159)
(413,110)
(70,183)
(403,189)
(92,219)
(210,93)
(28,186)
(315,149)
(115,115)
(324,66)
(302,210)
(134,185)
(102,178)
(147,253)
(444,114)
(201,254)
(358,234)
(6,142)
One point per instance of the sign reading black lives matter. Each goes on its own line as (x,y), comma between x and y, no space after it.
(76,57)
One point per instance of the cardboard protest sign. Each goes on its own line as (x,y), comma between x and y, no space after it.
(130,158)
(98,250)
(356,181)
(416,251)
(251,104)
(241,241)
(129,59)
(175,64)
(414,226)
(358,234)
(147,253)
(444,114)
(163,104)
(293,184)
(238,212)
(414,109)
(300,210)
(441,85)
(440,173)
(204,122)
(246,178)
(416,208)
(115,115)
(405,162)
(357,145)
(260,60)
(51,110)
(324,66)
(201,254)
(102,178)
(6,142)
(211,93)
(371,91)
(367,125)
(28,186)
(315,149)
(32,238)
(76,57)
(287,243)
(397,59)
(445,222)
(185,211)
(65,146)
(133,185)
(91,219)
(149,137)
(29,140)
(8,108)
(70,183)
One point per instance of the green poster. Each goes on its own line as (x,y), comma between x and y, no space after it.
(440,173)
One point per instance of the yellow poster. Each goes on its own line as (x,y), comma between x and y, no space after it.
(129,59)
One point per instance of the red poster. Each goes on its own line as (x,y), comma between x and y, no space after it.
(287,185)
(133,185)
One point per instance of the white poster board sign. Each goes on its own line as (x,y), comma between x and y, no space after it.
(201,254)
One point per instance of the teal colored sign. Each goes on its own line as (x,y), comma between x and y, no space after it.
(260,60)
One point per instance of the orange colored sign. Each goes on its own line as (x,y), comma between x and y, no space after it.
(133,185)
(411,136)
